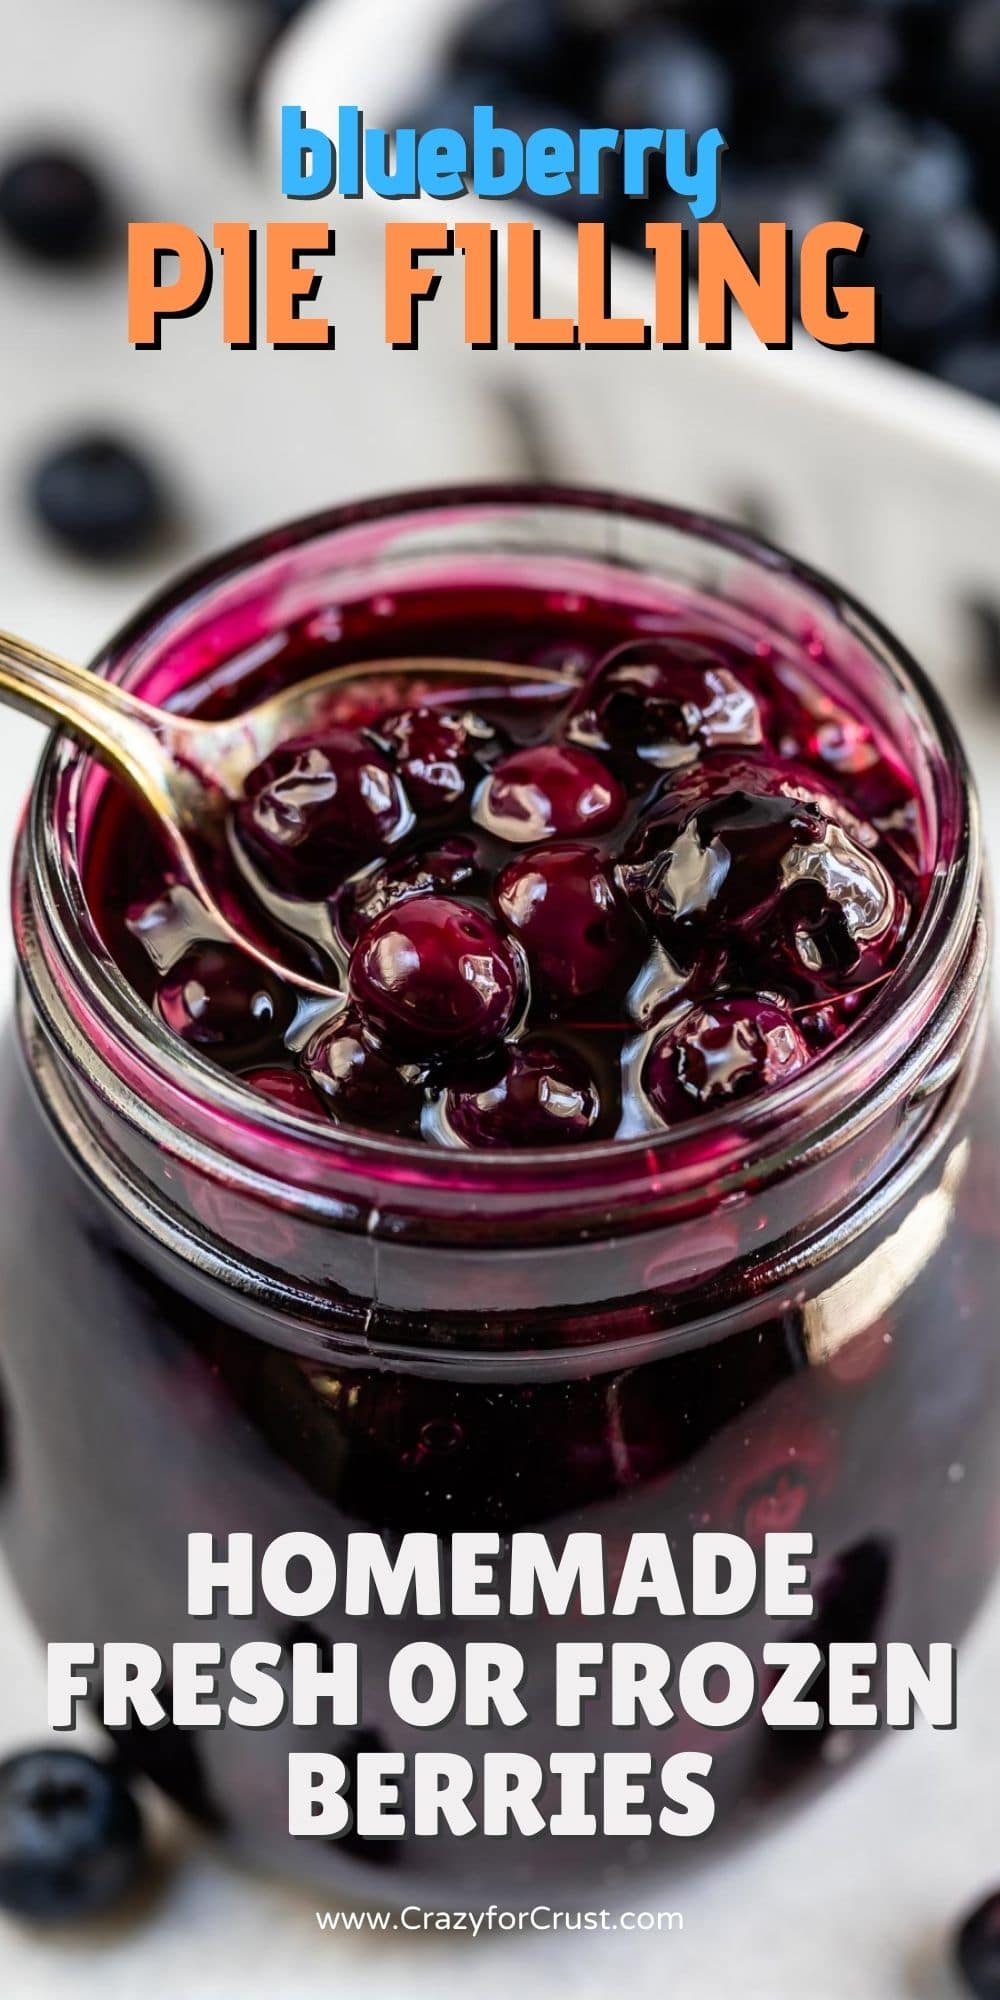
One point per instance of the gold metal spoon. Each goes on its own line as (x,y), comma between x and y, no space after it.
(189,772)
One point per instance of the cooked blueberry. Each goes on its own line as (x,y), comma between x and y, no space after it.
(662,74)
(549,789)
(718,861)
(538,1096)
(578,933)
(848,750)
(663,700)
(698,839)
(71,1838)
(53,204)
(432,975)
(765,869)
(830,755)
(98,497)
(287,1087)
(443,869)
(315,809)
(977,1949)
(218,1000)
(435,754)
(357,1082)
(720,1050)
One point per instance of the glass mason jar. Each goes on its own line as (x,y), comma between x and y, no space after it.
(220,1316)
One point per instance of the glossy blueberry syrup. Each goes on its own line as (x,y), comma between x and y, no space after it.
(648,866)
(656,873)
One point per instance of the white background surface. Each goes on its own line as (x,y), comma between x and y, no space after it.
(855,1896)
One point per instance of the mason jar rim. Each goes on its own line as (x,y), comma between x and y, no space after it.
(111,1035)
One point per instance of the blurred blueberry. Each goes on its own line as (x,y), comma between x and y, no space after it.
(973,366)
(53,204)
(824,62)
(883,165)
(973,64)
(751,195)
(977,1949)
(936,286)
(98,497)
(71,1840)
(450,100)
(523,42)
(660,74)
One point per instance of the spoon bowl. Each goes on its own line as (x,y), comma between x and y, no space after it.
(189,772)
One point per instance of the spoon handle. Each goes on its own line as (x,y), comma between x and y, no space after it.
(125,733)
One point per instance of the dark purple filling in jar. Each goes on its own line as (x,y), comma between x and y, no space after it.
(676,1209)
(650,865)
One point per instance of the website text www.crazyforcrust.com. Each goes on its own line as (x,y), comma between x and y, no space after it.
(473,1923)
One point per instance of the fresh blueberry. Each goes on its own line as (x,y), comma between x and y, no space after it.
(315,809)
(98,497)
(451,100)
(823,62)
(540,1096)
(936,285)
(518,41)
(751,194)
(53,205)
(578,933)
(977,1949)
(720,1050)
(662,74)
(71,1837)
(548,789)
(218,1000)
(357,1082)
(433,975)
(884,166)
(972,73)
